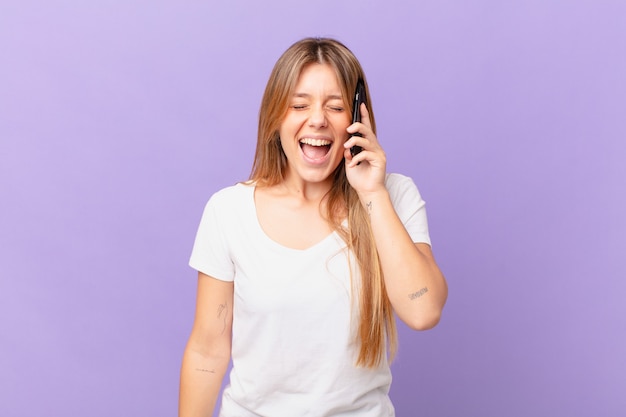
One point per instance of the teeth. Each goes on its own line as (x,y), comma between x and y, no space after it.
(315,142)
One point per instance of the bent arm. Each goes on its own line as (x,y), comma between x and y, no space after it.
(207,353)
(416,287)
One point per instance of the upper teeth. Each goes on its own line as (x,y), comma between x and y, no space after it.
(315,142)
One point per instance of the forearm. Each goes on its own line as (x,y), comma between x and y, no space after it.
(200,382)
(415,285)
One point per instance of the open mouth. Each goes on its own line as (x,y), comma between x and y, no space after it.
(315,149)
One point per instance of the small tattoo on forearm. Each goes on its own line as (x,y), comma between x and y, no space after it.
(418,294)
(222,310)
(212,371)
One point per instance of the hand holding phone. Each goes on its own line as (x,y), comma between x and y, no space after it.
(359,97)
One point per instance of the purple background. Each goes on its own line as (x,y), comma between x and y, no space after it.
(119,119)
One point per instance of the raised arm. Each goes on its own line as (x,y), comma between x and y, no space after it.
(207,354)
(416,287)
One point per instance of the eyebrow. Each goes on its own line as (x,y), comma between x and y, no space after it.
(330,97)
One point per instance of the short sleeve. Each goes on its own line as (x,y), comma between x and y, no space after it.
(409,206)
(210,254)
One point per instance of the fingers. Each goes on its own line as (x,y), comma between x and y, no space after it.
(364,125)
(354,160)
(374,158)
(361,141)
(363,131)
(365,116)
(362,135)
(371,151)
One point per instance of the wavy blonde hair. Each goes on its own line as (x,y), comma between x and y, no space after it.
(377,325)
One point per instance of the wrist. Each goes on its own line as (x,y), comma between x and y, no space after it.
(372,197)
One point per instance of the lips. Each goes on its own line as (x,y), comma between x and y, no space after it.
(315,149)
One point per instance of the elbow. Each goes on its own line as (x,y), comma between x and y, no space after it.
(424,320)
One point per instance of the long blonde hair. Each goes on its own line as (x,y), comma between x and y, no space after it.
(377,325)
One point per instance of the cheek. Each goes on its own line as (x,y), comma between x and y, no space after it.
(290,125)
(341,124)
(343,133)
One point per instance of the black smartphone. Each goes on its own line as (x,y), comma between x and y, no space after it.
(359,97)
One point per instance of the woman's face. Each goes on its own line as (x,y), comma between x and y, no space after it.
(313,132)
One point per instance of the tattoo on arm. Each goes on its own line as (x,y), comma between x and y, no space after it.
(212,371)
(418,294)
(222,310)
(369,208)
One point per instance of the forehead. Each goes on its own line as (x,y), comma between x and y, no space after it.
(318,79)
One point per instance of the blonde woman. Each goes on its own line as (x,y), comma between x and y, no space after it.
(302,267)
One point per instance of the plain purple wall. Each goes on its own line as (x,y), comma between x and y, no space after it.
(119,119)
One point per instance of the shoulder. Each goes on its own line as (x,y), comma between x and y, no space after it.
(409,206)
(227,207)
(231,195)
(399,184)
(395,179)
(403,192)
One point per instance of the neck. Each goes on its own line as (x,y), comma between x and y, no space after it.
(304,190)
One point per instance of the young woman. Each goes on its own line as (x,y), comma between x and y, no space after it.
(302,267)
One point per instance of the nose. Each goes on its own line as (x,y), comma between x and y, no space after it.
(317,117)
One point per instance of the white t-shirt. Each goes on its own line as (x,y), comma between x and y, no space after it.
(294,340)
